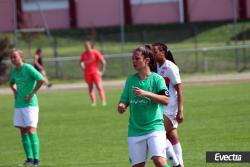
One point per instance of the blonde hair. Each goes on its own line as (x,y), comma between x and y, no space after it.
(19,51)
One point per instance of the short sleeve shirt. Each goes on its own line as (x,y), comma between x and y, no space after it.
(170,72)
(25,79)
(91,61)
(146,116)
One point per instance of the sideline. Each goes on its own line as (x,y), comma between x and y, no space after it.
(191,80)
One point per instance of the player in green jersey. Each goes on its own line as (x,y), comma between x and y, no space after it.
(25,81)
(144,92)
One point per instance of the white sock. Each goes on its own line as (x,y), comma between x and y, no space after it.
(171,154)
(178,152)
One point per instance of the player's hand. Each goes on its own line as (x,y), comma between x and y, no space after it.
(139,92)
(28,97)
(121,108)
(101,73)
(180,116)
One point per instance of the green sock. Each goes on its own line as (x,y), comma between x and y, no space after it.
(166,165)
(27,145)
(35,145)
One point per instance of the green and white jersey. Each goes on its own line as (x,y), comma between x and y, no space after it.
(25,79)
(146,116)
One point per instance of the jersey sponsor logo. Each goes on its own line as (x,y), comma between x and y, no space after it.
(167,81)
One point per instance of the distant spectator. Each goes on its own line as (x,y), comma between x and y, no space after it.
(38,64)
(89,63)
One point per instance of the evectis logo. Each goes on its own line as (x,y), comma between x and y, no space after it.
(225,157)
(228,157)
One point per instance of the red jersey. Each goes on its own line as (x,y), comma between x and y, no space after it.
(91,61)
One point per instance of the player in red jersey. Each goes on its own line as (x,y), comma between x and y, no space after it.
(89,63)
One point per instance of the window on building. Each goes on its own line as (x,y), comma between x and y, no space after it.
(33,5)
(142,2)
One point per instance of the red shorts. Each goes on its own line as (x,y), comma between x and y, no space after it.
(93,78)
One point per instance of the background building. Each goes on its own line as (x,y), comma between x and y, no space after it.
(63,14)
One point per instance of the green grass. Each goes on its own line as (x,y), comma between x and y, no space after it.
(73,134)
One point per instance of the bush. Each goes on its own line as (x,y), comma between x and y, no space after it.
(5,47)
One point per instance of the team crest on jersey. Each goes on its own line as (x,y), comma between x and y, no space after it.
(150,88)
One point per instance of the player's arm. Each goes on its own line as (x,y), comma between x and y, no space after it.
(82,65)
(39,83)
(13,88)
(161,97)
(180,115)
(104,64)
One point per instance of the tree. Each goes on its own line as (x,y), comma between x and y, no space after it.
(5,47)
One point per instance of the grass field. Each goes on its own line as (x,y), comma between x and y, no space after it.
(73,134)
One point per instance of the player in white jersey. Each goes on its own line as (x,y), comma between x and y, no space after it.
(173,112)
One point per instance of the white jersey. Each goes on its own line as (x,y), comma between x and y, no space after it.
(170,72)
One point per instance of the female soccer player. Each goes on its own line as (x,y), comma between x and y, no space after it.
(25,81)
(144,92)
(173,112)
(38,64)
(89,62)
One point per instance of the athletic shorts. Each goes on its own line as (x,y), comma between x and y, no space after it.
(139,146)
(170,112)
(93,78)
(26,117)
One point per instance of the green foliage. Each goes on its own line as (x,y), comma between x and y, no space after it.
(5,47)
(74,134)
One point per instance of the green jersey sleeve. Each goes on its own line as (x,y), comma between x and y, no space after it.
(125,93)
(35,74)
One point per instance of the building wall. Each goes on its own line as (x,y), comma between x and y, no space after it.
(99,13)
(6,16)
(155,13)
(55,18)
(96,13)
(248,9)
(210,10)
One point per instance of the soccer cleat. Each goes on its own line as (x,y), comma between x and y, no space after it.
(104,103)
(49,85)
(178,165)
(36,162)
(93,104)
(28,162)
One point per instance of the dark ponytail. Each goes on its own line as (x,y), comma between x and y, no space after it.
(168,54)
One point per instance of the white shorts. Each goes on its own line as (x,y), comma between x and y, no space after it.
(26,117)
(139,145)
(170,112)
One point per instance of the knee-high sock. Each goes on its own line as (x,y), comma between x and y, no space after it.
(35,145)
(178,152)
(92,95)
(27,145)
(171,154)
(102,94)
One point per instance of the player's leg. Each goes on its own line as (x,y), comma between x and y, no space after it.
(31,121)
(137,147)
(34,139)
(27,146)
(172,136)
(89,80)
(169,150)
(101,92)
(157,148)
(19,122)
